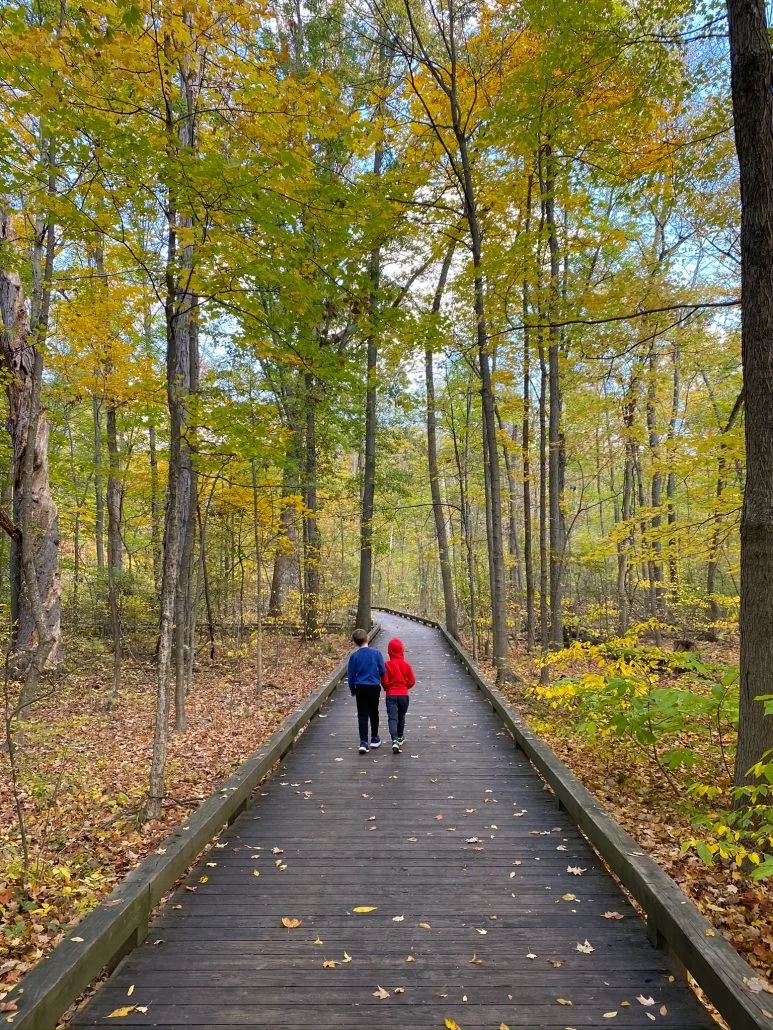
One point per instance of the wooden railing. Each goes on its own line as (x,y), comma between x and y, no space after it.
(120,922)
(674,923)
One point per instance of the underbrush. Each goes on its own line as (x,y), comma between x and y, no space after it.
(82,780)
(653,733)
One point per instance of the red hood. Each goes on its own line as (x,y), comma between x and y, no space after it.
(395,648)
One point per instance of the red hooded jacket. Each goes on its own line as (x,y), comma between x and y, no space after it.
(399,676)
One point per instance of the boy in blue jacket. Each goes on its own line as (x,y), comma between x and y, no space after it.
(366,667)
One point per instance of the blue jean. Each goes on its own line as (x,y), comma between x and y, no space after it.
(367,710)
(396,709)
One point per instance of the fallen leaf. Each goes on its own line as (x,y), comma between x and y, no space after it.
(586,948)
(290,922)
(663,1010)
(130,992)
(473,840)
(362,909)
(380,993)
(329,963)
(203,879)
(319,941)
(504,1026)
(613,915)
(644,1001)
(569,897)
(556,963)
(256,872)
(755,984)
(439,816)
(531,955)
(451,1024)
(475,961)
(211,865)
(481,932)
(610,1015)
(710,932)
(564,1001)
(277,851)
(126,1010)
(410,958)
(78,940)
(575,870)
(398,990)
(347,958)
(397,919)
(425,926)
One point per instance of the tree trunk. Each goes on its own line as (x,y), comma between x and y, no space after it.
(673,567)
(656,482)
(311,536)
(114,548)
(99,496)
(752,86)
(544,629)
(556,446)
(180,308)
(449,600)
(155,512)
(369,476)
(23,332)
(284,577)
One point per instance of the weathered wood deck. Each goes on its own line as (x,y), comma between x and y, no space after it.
(464,855)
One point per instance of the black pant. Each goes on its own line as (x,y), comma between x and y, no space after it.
(367,709)
(396,709)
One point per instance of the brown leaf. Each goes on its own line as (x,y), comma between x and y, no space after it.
(290,922)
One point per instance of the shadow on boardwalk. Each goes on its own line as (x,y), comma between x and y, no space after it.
(463,855)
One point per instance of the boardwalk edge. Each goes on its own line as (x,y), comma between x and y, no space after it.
(120,922)
(674,922)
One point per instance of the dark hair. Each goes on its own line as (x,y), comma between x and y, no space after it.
(359,637)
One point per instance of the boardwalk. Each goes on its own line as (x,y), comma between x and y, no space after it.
(464,856)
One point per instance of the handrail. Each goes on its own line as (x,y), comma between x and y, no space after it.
(674,923)
(120,921)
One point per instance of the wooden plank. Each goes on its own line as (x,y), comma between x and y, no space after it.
(223,958)
(120,922)
(674,922)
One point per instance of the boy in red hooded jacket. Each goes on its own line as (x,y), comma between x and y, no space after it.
(397,681)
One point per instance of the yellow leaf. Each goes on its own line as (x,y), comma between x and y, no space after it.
(410,959)
(451,1024)
(130,992)
(504,1026)
(203,879)
(256,872)
(318,941)
(475,961)
(564,1001)
(329,964)
(610,1015)
(347,958)
(290,923)
(362,909)
(119,1013)
(425,926)
(78,940)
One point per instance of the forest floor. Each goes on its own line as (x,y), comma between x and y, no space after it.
(654,806)
(84,770)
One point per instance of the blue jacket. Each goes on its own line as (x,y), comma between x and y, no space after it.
(366,667)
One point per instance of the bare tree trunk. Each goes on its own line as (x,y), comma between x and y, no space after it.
(23,333)
(466,526)
(528,558)
(369,477)
(673,565)
(181,365)
(258,578)
(284,577)
(449,600)
(544,625)
(155,511)
(99,497)
(656,481)
(556,448)
(114,548)
(311,535)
